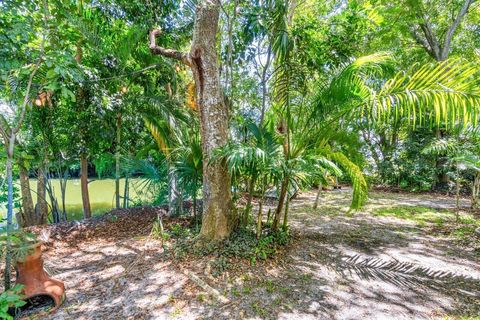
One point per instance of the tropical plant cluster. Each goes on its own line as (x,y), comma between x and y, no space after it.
(315,94)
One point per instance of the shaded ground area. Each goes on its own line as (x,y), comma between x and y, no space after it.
(373,265)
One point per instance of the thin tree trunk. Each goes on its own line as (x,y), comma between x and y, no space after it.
(248,207)
(259,218)
(264,84)
(281,202)
(63,191)
(8,256)
(457,195)
(476,191)
(285,215)
(87,212)
(28,210)
(126,192)
(117,161)
(41,210)
(175,201)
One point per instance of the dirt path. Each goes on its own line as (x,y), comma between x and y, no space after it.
(360,267)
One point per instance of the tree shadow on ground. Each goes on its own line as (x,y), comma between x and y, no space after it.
(338,268)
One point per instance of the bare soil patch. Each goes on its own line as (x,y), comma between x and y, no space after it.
(338,267)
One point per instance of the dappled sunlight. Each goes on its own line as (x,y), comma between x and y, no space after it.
(340,265)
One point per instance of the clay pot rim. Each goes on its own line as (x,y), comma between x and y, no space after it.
(31,250)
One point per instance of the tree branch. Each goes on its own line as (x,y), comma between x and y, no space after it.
(23,107)
(431,39)
(448,37)
(169,53)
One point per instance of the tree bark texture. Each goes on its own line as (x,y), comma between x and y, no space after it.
(28,211)
(8,257)
(87,213)
(41,210)
(476,191)
(117,161)
(219,217)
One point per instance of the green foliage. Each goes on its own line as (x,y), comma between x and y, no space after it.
(158,231)
(21,242)
(10,299)
(243,244)
(360,187)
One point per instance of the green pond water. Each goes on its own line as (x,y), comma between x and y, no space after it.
(102,195)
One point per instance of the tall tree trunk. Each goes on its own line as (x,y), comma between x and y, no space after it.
(8,256)
(87,212)
(438,47)
(219,216)
(117,160)
(28,211)
(41,210)
(263,83)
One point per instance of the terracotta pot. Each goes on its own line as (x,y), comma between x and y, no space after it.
(35,279)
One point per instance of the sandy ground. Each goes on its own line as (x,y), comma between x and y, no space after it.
(338,267)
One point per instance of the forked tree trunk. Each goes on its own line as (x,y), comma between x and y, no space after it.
(219,217)
(87,213)
(28,211)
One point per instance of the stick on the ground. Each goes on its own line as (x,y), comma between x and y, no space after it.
(199,282)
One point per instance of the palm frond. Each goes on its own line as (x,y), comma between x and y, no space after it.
(443,92)
(405,274)
(359,184)
(441,147)
(161,132)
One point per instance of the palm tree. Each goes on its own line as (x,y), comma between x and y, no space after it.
(462,152)
(188,165)
(256,160)
(437,93)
